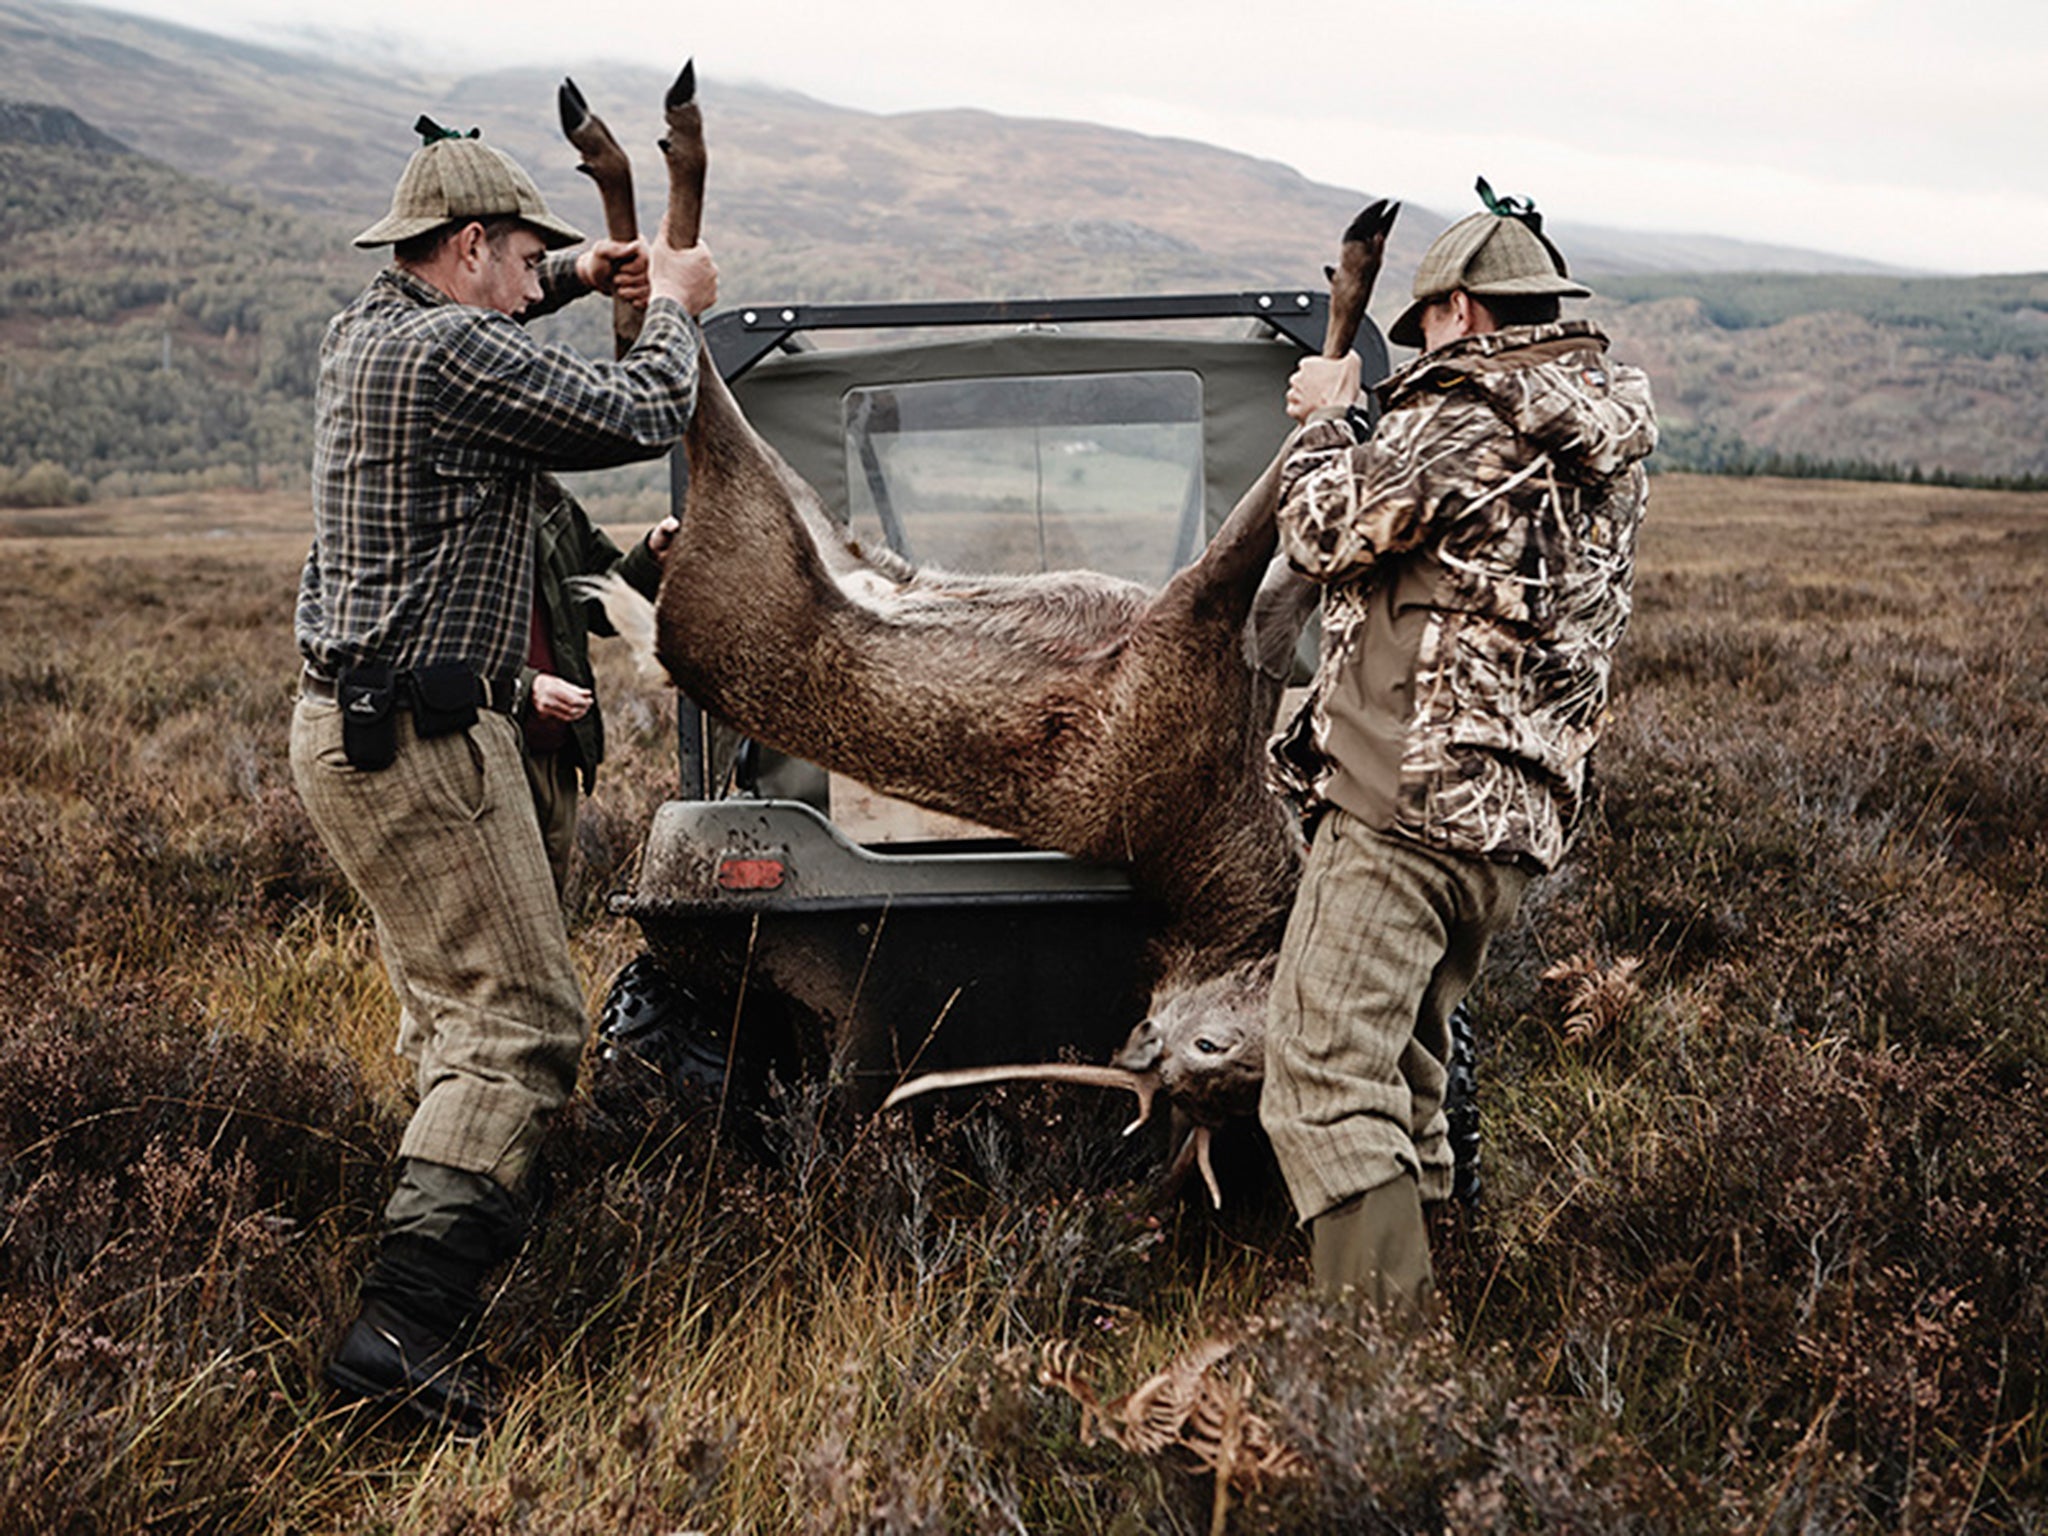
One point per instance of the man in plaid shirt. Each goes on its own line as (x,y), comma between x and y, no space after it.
(438,419)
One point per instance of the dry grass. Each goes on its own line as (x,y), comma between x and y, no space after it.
(1763,1247)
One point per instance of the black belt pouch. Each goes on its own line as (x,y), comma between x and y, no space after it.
(368,697)
(444,699)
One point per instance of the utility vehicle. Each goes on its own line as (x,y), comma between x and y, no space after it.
(797,922)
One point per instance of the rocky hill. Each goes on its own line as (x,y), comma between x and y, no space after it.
(107,254)
(47,127)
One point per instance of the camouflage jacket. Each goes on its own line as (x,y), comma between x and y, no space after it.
(1477,554)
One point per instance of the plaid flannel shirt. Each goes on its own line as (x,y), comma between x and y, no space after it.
(435,425)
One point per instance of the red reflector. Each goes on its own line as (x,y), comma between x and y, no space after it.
(750,874)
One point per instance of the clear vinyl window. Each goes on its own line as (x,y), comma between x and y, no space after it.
(1053,472)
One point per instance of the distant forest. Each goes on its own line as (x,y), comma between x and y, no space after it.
(1845,358)
(1980,317)
(158,332)
(1707,451)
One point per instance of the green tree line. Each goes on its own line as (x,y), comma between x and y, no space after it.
(155,332)
(1705,450)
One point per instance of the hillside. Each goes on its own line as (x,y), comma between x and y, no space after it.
(280,125)
(1862,374)
(155,331)
(283,155)
(970,198)
(806,197)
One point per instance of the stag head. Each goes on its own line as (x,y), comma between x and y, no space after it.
(1203,1044)
(1206,1042)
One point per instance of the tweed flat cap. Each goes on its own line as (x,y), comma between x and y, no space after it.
(1486,254)
(460,177)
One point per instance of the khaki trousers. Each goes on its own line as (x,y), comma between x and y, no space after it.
(444,848)
(557,785)
(1385,937)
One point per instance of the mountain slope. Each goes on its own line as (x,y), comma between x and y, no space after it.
(156,330)
(326,135)
(110,276)
(286,126)
(1942,375)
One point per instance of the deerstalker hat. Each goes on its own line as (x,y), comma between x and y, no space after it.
(1500,251)
(458,176)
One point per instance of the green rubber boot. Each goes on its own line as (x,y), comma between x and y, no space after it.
(1375,1248)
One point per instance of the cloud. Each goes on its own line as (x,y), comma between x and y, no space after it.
(1881,128)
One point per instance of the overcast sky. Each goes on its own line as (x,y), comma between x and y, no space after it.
(1898,130)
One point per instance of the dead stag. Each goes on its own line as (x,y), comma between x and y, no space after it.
(1073,710)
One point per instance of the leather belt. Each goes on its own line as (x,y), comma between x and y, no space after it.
(500,693)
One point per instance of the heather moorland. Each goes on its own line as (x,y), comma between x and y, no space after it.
(1762,1243)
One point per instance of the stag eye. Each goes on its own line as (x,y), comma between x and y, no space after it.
(1207,1046)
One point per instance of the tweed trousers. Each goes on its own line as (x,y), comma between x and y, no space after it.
(556,783)
(1385,938)
(445,849)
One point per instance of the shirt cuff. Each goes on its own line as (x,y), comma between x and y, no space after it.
(666,324)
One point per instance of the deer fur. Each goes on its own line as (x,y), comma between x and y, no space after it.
(1073,710)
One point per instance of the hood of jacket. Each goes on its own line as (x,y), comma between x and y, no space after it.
(1554,385)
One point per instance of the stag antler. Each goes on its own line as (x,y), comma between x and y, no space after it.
(1194,1148)
(1193,1152)
(1144,1084)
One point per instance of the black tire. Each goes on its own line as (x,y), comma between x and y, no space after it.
(652,1024)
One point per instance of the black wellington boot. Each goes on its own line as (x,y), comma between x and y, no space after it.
(412,1344)
(393,1356)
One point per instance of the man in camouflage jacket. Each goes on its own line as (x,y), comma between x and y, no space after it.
(1476,554)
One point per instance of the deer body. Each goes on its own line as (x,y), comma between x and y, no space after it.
(1073,710)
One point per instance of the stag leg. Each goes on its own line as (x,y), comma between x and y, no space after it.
(605,163)
(1358,267)
(1228,575)
(683,148)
